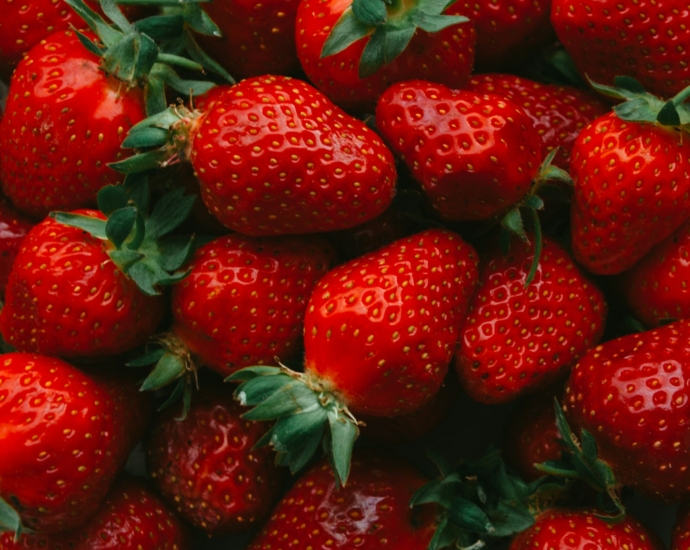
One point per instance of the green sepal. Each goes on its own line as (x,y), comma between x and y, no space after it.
(668,115)
(146,137)
(512,222)
(291,396)
(113,12)
(150,358)
(154,96)
(176,251)
(169,368)
(89,44)
(434,23)
(383,47)
(125,259)
(444,536)
(508,520)
(138,190)
(264,386)
(169,212)
(347,30)
(105,32)
(202,58)
(538,245)
(342,439)
(161,27)
(93,226)
(111,198)
(177,392)
(468,516)
(370,12)
(120,224)
(629,84)
(142,162)
(187,87)
(10,520)
(199,21)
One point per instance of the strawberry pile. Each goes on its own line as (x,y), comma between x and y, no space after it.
(345,274)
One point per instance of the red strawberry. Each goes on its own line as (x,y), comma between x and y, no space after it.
(372,511)
(579,529)
(558,113)
(656,287)
(275,156)
(66,297)
(645,39)
(681,530)
(518,337)
(336,44)
(206,465)
(475,156)
(65,436)
(13,228)
(380,331)
(631,394)
(258,37)
(132,517)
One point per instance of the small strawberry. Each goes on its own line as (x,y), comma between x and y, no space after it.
(644,39)
(379,333)
(274,156)
(206,466)
(65,436)
(565,529)
(681,530)
(371,512)
(13,228)
(518,338)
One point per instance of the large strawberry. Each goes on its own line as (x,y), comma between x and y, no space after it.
(372,511)
(645,39)
(65,436)
(354,50)
(274,156)
(518,337)
(630,169)
(380,331)
(206,465)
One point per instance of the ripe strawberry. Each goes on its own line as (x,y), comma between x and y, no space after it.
(66,297)
(206,466)
(681,530)
(65,436)
(13,228)
(558,113)
(579,529)
(275,156)
(631,395)
(132,517)
(656,287)
(518,338)
(642,39)
(372,511)
(475,156)
(379,332)
(340,46)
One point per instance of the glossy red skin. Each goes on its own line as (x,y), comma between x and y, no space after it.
(64,438)
(631,191)
(13,228)
(655,288)
(371,511)
(632,395)
(380,330)
(583,530)
(258,37)
(681,530)
(274,156)
(558,113)
(445,57)
(64,122)
(518,339)
(644,39)
(474,155)
(66,298)
(245,298)
(206,468)
(132,517)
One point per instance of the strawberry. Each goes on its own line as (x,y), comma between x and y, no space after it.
(13,228)
(65,436)
(372,511)
(681,530)
(558,113)
(474,155)
(276,148)
(340,44)
(630,169)
(578,529)
(644,39)
(132,517)
(631,396)
(656,287)
(517,338)
(206,466)
(379,334)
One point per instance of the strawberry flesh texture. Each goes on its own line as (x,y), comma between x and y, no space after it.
(632,190)
(66,298)
(655,288)
(380,330)
(64,122)
(632,395)
(474,155)
(517,339)
(445,57)
(64,438)
(275,156)
(645,39)
(206,465)
(371,511)
(13,228)
(244,300)
(582,530)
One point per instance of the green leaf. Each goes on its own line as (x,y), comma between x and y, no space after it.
(199,21)
(10,520)
(668,116)
(249,373)
(538,244)
(169,212)
(443,537)
(589,447)
(146,137)
(434,23)
(344,432)
(161,27)
(113,12)
(105,32)
(468,516)
(111,198)
(370,12)
(291,432)
(139,232)
(179,61)
(143,277)
(629,84)
(120,224)
(137,186)
(139,163)
(175,252)
(564,429)
(374,54)
(154,95)
(299,457)
(131,59)
(512,221)
(125,259)
(347,30)
(295,397)
(177,392)
(636,110)
(508,520)
(202,58)
(148,358)
(169,368)
(187,87)
(433,492)
(257,390)
(89,44)
(534,202)
(93,226)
